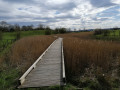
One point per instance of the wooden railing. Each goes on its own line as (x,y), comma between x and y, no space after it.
(63,67)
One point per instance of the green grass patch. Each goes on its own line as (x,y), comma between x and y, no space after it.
(7,36)
(11,35)
(113,35)
(32,33)
(8,78)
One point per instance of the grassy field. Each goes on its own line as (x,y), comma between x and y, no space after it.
(116,33)
(111,35)
(90,64)
(11,35)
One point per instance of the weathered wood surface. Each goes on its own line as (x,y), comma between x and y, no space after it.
(48,71)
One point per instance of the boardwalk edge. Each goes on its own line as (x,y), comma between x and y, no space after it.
(22,78)
(63,67)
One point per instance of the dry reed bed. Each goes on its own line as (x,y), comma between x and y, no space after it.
(80,54)
(25,51)
(81,35)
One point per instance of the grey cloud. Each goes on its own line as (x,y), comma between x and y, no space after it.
(25,23)
(68,17)
(19,1)
(60,7)
(101,3)
(62,18)
(100,19)
(48,20)
(64,7)
(39,13)
(4,11)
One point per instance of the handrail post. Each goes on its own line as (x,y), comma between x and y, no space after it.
(63,66)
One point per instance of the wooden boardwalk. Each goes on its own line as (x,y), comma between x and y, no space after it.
(48,71)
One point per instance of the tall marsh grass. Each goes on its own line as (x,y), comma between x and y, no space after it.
(81,53)
(26,50)
(90,63)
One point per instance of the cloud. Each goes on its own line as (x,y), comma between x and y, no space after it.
(102,18)
(19,1)
(118,10)
(116,1)
(61,13)
(102,3)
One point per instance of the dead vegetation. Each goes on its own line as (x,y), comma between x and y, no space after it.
(89,61)
(25,51)
(80,53)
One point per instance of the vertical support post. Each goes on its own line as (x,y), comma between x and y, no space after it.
(63,66)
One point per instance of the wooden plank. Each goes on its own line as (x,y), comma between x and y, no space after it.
(22,79)
(48,70)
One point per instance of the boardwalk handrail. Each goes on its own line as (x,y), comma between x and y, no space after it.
(63,66)
(22,79)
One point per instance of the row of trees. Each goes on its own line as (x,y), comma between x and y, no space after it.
(48,31)
(106,32)
(5,27)
(1,35)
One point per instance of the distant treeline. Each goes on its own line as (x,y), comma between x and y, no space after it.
(5,27)
(106,32)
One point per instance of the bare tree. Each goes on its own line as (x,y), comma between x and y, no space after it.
(119,32)
(41,27)
(1,35)
(18,31)
(24,28)
(30,27)
(3,25)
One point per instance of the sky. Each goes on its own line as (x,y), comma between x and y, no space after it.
(79,14)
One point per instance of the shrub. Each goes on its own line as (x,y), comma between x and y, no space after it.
(103,82)
(62,30)
(0,35)
(97,32)
(56,31)
(105,32)
(100,31)
(47,32)
(18,35)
